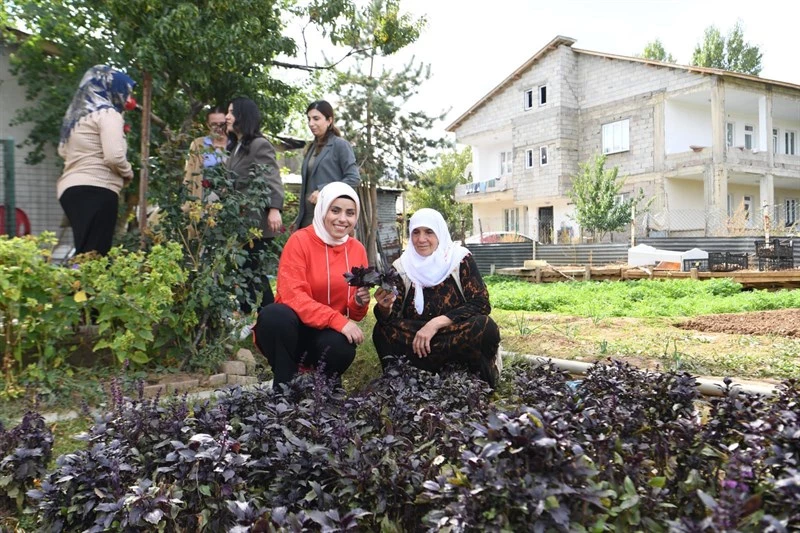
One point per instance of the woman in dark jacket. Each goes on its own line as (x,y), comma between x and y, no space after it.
(440,314)
(249,148)
(328,158)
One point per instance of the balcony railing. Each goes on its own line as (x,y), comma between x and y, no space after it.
(499,184)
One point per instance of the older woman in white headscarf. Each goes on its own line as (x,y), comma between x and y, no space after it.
(440,314)
(313,319)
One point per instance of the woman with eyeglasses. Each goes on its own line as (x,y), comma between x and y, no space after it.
(206,152)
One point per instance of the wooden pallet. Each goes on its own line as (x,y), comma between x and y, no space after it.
(788,279)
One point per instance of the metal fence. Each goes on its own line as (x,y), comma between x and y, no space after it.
(606,254)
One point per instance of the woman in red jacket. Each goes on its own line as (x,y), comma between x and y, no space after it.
(313,319)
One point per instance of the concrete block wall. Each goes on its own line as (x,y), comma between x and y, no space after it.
(507,106)
(604,80)
(640,111)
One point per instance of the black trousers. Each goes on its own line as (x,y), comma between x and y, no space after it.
(287,343)
(253,263)
(92,213)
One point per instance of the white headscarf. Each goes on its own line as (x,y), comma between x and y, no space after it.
(429,271)
(327,195)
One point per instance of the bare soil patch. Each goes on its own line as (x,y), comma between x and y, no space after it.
(784,322)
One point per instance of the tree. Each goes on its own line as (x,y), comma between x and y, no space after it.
(655,50)
(388,140)
(728,54)
(199,53)
(436,189)
(595,193)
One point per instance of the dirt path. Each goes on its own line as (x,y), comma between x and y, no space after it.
(785,322)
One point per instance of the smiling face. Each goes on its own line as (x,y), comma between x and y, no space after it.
(341,217)
(318,124)
(424,240)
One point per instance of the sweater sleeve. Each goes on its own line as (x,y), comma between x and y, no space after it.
(115,148)
(475,293)
(295,290)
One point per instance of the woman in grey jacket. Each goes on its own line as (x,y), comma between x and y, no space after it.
(328,158)
(249,148)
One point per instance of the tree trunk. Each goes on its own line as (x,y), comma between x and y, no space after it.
(368,227)
(147,105)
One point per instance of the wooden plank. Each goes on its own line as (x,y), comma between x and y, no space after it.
(748,279)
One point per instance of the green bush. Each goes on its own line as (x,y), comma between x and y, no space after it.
(37,309)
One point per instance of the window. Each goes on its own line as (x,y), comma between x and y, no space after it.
(511,219)
(506,163)
(542,94)
(527,99)
(621,198)
(789,143)
(748,137)
(529,159)
(543,156)
(616,136)
(775,139)
(747,206)
(792,210)
(729,134)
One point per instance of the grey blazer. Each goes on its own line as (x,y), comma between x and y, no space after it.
(335,162)
(239,164)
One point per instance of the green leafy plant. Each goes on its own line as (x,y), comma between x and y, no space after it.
(213,237)
(37,311)
(131,292)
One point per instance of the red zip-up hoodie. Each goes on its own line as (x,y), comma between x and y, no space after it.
(311,280)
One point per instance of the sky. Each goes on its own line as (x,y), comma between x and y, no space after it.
(473,45)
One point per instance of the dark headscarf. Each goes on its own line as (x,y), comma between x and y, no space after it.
(102,87)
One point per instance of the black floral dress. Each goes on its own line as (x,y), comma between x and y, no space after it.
(471,340)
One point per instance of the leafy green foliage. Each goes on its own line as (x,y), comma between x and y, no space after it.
(594,192)
(655,50)
(235,43)
(131,293)
(37,311)
(213,237)
(388,140)
(436,189)
(731,53)
(644,298)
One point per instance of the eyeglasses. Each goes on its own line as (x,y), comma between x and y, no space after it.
(217,124)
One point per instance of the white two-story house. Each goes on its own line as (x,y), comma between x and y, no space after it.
(714,150)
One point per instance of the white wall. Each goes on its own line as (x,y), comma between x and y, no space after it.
(686,125)
(35,186)
(486,160)
(685,194)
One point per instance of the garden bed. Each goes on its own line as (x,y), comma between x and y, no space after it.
(783,322)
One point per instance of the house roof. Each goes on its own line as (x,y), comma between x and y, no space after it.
(568,41)
(20,35)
